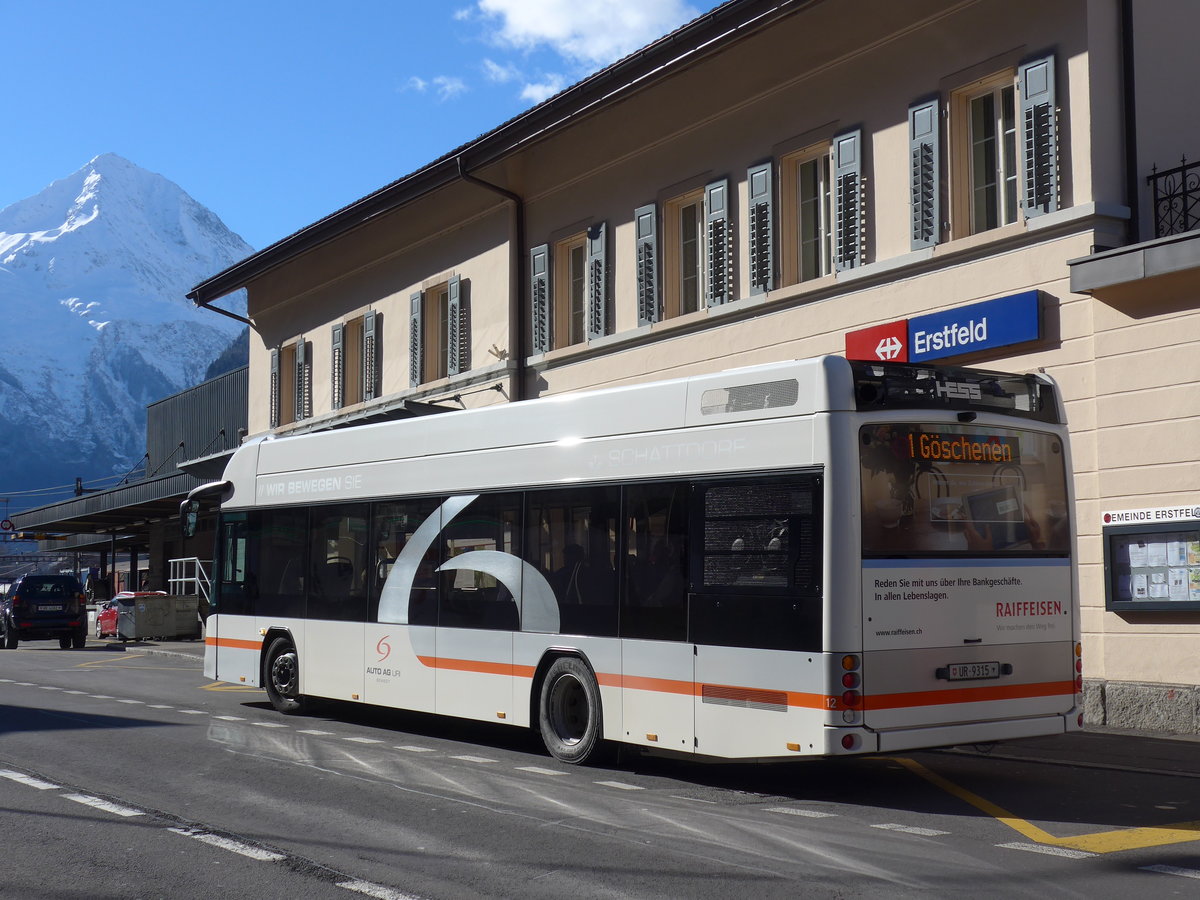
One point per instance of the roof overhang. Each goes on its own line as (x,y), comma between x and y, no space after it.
(1140,272)
(126,510)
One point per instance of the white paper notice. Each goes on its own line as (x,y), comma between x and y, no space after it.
(1177,583)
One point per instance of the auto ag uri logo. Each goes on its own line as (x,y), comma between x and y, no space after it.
(383,648)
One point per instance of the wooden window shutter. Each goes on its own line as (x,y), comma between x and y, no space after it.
(539,297)
(455,339)
(1039,132)
(924,173)
(847,203)
(761,216)
(337,387)
(303,380)
(372,321)
(597,280)
(275,387)
(416,367)
(719,237)
(645,224)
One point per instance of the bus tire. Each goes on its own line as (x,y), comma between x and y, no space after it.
(569,714)
(281,676)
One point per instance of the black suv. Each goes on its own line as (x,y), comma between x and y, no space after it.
(44,607)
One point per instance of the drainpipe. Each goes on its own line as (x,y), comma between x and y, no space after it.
(516,322)
(1129,112)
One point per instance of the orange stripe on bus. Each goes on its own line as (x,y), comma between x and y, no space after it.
(232,643)
(967,695)
(478,666)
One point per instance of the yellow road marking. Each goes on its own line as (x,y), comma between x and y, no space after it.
(1100,842)
(235,688)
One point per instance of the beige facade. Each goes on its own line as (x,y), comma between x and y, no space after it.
(787,99)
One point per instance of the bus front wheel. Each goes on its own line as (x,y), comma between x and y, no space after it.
(281,676)
(569,712)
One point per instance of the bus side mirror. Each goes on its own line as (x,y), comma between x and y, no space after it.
(189,512)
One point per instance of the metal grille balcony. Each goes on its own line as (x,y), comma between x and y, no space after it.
(1176,198)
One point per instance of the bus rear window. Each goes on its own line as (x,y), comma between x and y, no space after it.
(962,490)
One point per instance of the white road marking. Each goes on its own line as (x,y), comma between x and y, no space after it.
(910,829)
(807,813)
(363,740)
(621,786)
(230,845)
(1172,870)
(1049,851)
(192,712)
(269,724)
(375,890)
(477,759)
(231,718)
(138,702)
(100,696)
(78,693)
(315,731)
(413,749)
(160,706)
(97,803)
(48,687)
(539,770)
(27,780)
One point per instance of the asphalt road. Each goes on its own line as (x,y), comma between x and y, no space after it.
(125,773)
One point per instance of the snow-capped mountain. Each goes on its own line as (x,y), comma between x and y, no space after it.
(93,276)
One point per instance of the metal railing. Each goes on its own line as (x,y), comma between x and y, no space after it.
(1176,198)
(189,576)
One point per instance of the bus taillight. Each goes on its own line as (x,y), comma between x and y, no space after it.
(851,698)
(850,680)
(849,662)
(849,741)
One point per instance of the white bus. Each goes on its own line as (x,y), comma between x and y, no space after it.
(806,558)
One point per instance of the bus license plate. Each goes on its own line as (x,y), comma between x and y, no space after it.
(969,671)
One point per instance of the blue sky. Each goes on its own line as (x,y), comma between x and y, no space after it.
(275,113)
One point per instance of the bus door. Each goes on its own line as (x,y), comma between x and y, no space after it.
(755,613)
(966,576)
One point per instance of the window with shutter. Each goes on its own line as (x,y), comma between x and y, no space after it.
(805,228)
(303,392)
(848,201)
(435,330)
(719,247)
(275,389)
(597,280)
(761,228)
(288,392)
(924,173)
(569,294)
(337,388)
(539,298)
(372,325)
(415,343)
(455,338)
(645,222)
(1039,134)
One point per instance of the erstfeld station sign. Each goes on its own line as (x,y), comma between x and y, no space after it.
(966,329)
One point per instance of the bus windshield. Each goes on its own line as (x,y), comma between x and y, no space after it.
(962,490)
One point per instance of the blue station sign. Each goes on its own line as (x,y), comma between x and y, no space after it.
(966,329)
(981,326)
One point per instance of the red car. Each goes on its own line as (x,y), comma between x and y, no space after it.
(108,611)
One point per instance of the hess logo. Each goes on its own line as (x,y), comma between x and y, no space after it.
(383,648)
(960,390)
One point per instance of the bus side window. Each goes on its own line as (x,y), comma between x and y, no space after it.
(655,590)
(234,590)
(757,569)
(571,538)
(338,563)
(469,598)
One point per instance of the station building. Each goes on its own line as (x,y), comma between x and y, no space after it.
(994,183)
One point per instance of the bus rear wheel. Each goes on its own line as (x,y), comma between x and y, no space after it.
(281,676)
(569,712)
